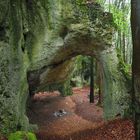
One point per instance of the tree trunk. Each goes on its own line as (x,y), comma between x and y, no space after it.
(92,80)
(135,24)
(123,34)
(100,94)
(124,50)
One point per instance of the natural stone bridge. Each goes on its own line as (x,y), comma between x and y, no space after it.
(38,43)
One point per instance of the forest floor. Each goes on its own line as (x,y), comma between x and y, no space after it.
(78,119)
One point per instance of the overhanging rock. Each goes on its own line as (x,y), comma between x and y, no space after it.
(38,43)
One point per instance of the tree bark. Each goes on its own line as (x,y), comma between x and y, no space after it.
(135,25)
(100,94)
(92,80)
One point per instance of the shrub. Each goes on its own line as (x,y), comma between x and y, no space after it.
(22,135)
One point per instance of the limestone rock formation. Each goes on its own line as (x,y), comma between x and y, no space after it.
(38,42)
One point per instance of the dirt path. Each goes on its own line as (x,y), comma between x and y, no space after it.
(82,121)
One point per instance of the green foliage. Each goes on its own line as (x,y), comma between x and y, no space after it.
(66,88)
(123,67)
(101,1)
(79,1)
(21,135)
(81,71)
(120,17)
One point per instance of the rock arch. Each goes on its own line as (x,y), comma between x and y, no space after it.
(39,40)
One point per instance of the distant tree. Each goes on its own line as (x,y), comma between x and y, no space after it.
(92,80)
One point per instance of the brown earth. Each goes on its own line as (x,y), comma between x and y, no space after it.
(83,121)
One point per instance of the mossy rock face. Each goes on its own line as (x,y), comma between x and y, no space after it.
(116,87)
(3,10)
(38,41)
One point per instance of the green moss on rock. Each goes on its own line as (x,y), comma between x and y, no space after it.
(38,40)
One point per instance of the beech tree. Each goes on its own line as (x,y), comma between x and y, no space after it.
(135,25)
